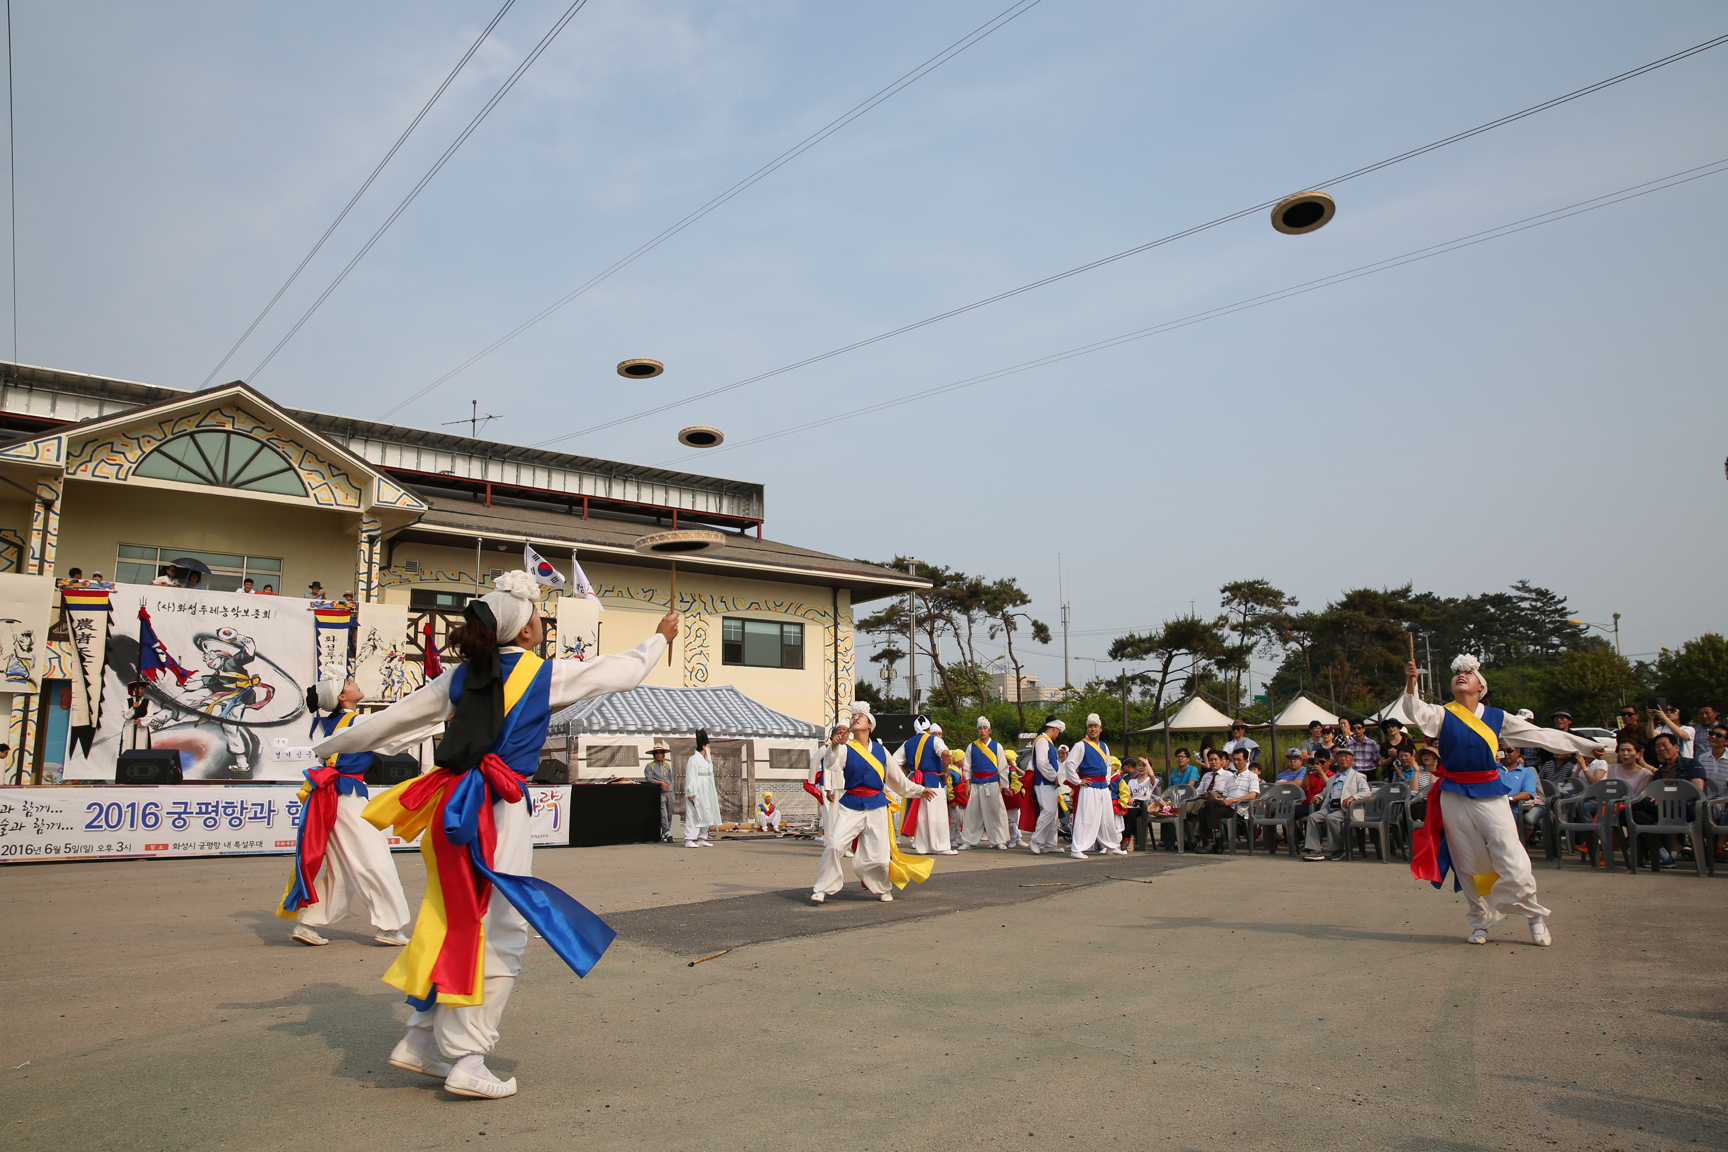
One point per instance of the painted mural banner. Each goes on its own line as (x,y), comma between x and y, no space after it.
(224,675)
(25,604)
(384,666)
(57,823)
(578,627)
(333,625)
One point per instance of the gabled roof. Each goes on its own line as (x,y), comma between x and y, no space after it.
(652,711)
(1301,712)
(58,449)
(1194,716)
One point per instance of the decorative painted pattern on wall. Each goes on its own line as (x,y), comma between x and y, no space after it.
(388,577)
(391,496)
(45,525)
(366,586)
(47,450)
(12,547)
(115,455)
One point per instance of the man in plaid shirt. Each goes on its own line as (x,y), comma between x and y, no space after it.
(1365,752)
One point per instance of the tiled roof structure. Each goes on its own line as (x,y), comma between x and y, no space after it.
(652,711)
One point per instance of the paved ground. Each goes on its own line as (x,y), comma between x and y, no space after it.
(1012,1002)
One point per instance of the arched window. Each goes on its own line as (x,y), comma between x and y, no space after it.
(222,460)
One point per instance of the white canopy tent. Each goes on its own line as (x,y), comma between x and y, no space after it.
(1194,716)
(1391,710)
(1300,713)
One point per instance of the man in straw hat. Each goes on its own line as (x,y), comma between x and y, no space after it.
(494,706)
(986,815)
(1471,830)
(659,771)
(1046,786)
(858,773)
(1094,819)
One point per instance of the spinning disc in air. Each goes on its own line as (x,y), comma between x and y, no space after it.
(683,542)
(640,369)
(1303,213)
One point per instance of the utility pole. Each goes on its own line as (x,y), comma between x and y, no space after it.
(1066,681)
(912,640)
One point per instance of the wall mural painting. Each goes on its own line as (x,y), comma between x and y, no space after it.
(224,676)
(25,604)
(385,666)
(114,455)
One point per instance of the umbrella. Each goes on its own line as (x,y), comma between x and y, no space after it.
(191,564)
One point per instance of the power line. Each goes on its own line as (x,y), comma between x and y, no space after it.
(1672,181)
(1147,247)
(12,176)
(767,169)
(343,215)
(510,83)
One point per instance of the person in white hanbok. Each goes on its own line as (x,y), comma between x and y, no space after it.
(922,758)
(701,800)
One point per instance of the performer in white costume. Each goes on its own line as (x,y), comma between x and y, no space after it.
(339,859)
(859,771)
(701,799)
(1089,763)
(920,758)
(1047,786)
(1470,827)
(455,1024)
(986,815)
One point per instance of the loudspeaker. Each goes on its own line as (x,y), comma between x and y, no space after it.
(392,770)
(552,771)
(146,766)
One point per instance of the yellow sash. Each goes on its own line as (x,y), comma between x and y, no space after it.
(1102,754)
(1475,724)
(985,748)
(918,756)
(903,867)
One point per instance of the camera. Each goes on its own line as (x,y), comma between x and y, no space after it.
(1656,703)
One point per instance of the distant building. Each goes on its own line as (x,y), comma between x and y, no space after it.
(1031,692)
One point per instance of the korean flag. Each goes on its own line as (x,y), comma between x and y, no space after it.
(540,569)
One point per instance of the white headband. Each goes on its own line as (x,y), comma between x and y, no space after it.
(512,603)
(330,694)
(1092,718)
(1469,663)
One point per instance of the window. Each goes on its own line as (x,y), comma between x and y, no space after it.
(140,564)
(761,643)
(434,598)
(222,460)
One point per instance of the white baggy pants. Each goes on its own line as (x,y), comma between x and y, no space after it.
(1049,819)
(1092,820)
(1482,835)
(694,832)
(930,834)
(768,823)
(986,816)
(870,864)
(357,868)
(474,1031)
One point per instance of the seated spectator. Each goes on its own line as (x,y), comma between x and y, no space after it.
(1293,770)
(1711,758)
(1629,764)
(1142,786)
(1673,720)
(1630,725)
(1570,774)
(1396,741)
(1239,739)
(1403,769)
(1526,797)
(1670,765)
(1427,764)
(1346,787)
(1184,775)
(1233,790)
(246,586)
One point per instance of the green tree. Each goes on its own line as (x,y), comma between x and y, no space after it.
(1004,603)
(1259,615)
(1695,674)
(1589,682)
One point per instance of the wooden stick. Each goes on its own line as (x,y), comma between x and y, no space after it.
(1057,884)
(711,956)
(1130,879)
(675,608)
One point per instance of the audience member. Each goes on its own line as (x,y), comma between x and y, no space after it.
(1239,739)
(1673,720)
(1526,797)
(1307,746)
(1232,790)
(1332,807)
(1184,775)
(1397,741)
(1365,753)
(1293,769)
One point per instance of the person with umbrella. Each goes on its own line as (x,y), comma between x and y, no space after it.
(192,572)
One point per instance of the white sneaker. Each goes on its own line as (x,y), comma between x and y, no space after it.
(1539,934)
(818,897)
(704,843)
(1078,855)
(412,1057)
(1002,847)
(887,897)
(393,939)
(479,1082)
(947,852)
(1480,936)
(307,936)
(689,843)
(1036,851)
(1117,852)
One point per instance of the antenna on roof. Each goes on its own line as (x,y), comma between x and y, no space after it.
(474,420)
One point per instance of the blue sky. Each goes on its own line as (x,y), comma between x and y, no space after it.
(1548,406)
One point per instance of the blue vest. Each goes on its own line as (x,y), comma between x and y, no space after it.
(351,765)
(1039,780)
(928,770)
(519,746)
(1094,769)
(987,772)
(859,774)
(1461,750)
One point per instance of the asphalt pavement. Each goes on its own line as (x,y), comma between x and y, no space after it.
(1158,1001)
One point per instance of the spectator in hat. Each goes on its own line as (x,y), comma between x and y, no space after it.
(1293,769)
(1561,719)
(314,591)
(659,771)
(1396,742)
(1239,739)
(1331,809)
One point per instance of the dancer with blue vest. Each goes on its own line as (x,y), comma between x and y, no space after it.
(1094,818)
(1047,787)
(920,758)
(1471,831)
(471,814)
(858,776)
(986,814)
(338,857)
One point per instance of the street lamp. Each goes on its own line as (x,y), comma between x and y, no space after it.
(1614,628)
